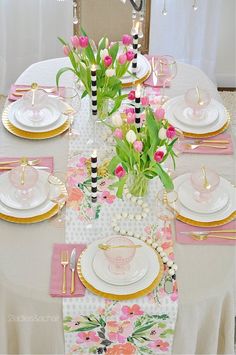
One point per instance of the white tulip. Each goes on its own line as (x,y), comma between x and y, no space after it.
(162,133)
(110,72)
(117,120)
(103,53)
(163,148)
(131,136)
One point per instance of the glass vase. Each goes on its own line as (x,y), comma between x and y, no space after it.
(138,185)
(103,109)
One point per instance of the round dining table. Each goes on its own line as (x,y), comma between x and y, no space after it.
(31,320)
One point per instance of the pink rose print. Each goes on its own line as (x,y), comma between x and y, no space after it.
(119,331)
(81,163)
(104,184)
(75,194)
(75,323)
(87,337)
(130,312)
(159,344)
(122,349)
(106,197)
(154,333)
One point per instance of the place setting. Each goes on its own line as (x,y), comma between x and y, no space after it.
(30,192)
(41,113)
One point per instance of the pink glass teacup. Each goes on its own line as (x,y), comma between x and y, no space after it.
(197,100)
(119,258)
(204,181)
(23,178)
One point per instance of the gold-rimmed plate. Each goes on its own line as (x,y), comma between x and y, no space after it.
(143,73)
(101,288)
(211,130)
(37,214)
(31,134)
(214,219)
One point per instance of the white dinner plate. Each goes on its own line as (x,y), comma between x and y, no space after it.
(12,118)
(213,127)
(88,273)
(218,200)
(143,68)
(10,196)
(184,114)
(207,217)
(46,206)
(138,268)
(49,114)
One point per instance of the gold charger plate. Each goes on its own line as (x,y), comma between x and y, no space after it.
(218,223)
(37,218)
(31,135)
(115,297)
(137,81)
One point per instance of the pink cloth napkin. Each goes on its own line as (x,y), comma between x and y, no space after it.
(149,81)
(13,88)
(57,271)
(208,150)
(185,239)
(43,161)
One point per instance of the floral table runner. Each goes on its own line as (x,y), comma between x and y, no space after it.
(93,325)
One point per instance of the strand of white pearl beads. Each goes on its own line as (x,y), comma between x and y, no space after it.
(170,264)
(130,216)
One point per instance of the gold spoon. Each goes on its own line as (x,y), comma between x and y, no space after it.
(200,102)
(107,246)
(34,87)
(24,162)
(206,184)
(206,236)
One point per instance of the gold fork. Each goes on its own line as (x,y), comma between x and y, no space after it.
(64,263)
(194,146)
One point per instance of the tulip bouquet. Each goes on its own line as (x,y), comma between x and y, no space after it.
(140,154)
(111,61)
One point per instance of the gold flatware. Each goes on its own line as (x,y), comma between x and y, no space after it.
(211,232)
(194,146)
(48,90)
(199,141)
(30,162)
(72,267)
(206,236)
(5,168)
(23,163)
(107,246)
(64,263)
(206,183)
(200,102)
(34,87)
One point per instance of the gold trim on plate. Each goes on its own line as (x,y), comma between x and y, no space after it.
(31,135)
(137,81)
(111,296)
(35,219)
(209,134)
(207,224)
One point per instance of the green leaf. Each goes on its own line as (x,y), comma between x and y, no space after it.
(117,104)
(114,50)
(67,319)
(122,182)
(66,328)
(62,41)
(85,328)
(61,71)
(144,328)
(165,178)
(113,164)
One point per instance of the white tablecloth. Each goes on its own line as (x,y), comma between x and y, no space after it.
(31,321)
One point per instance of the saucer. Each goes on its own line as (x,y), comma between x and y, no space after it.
(138,269)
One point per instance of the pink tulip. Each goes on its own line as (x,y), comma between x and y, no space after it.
(131,95)
(127,40)
(138,146)
(160,113)
(158,156)
(129,55)
(83,41)
(75,41)
(170,132)
(122,59)
(66,50)
(145,101)
(129,110)
(107,60)
(130,118)
(118,133)
(120,171)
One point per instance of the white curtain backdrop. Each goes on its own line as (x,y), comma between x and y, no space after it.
(28,34)
(190,36)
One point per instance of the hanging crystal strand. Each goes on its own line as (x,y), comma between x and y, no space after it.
(141,20)
(75,18)
(194,6)
(164,10)
(134,19)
